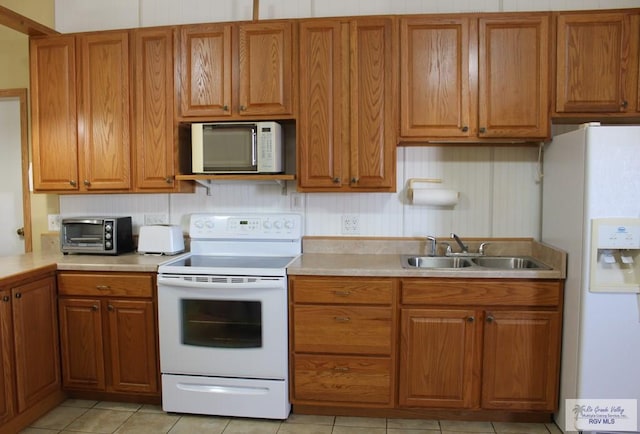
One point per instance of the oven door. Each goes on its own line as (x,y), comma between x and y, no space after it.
(225,326)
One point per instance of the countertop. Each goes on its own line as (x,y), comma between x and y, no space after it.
(335,256)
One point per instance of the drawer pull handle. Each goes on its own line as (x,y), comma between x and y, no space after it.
(341,369)
(103,287)
(342,318)
(342,293)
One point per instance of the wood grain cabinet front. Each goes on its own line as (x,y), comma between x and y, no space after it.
(462,347)
(470,77)
(108,333)
(342,341)
(30,383)
(597,64)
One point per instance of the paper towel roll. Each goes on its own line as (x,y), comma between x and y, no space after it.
(433,196)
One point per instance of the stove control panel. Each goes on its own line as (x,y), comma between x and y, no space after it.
(254,226)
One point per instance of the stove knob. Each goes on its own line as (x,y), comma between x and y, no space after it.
(288,224)
(208,224)
(198,224)
(277,224)
(267,224)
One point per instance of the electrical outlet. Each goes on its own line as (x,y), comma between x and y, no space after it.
(350,224)
(53,222)
(156,219)
(297,202)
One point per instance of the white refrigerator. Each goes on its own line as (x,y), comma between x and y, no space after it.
(590,174)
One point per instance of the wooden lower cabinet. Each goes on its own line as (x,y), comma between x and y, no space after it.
(30,382)
(342,341)
(108,333)
(467,348)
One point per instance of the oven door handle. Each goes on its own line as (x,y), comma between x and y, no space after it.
(178,281)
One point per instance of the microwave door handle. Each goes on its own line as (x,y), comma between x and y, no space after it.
(254,148)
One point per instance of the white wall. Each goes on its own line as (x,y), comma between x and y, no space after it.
(500,193)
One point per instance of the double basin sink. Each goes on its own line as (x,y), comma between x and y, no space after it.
(487,262)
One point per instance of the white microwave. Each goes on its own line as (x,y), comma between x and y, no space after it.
(237,147)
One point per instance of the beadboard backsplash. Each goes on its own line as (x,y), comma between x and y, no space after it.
(499,197)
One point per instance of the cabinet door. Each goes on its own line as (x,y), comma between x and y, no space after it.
(132,346)
(439,358)
(35,328)
(435,77)
(592,61)
(104,152)
(323,132)
(153,109)
(513,77)
(265,75)
(54,134)
(205,70)
(521,356)
(81,343)
(372,93)
(7,390)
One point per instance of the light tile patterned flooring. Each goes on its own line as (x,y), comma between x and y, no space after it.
(79,416)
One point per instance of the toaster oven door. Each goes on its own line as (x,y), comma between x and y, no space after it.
(82,236)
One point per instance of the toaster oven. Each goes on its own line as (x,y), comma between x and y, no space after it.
(97,235)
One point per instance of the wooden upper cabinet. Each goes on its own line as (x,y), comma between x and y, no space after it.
(153,93)
(236,70)
(595,52)
(265,69)
(513,77)
(346,127)
(474,77)
(372,106)
(54,133)
(103,108)
(435,77)
(205,70)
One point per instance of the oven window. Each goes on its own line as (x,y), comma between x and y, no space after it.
(222,324)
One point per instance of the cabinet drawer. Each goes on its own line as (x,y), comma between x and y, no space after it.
(342,379)
(481,292)
(342,329)
(109,284)
(342,291)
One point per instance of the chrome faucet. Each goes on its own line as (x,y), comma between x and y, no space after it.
(463,248)
(434,245)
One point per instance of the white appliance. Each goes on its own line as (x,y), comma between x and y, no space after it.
(591,206)
(160,240)
(223,323)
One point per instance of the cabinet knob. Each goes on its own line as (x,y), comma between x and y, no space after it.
(464,129)
(354,180)
(225,108)
(168,179)
(624,104)
(342,318)
(110,308)
(5,298)
(73,182)
(243,108)
(482,130)
(86,182)
(471,319)
(18,295)
(490,318)
(94,308)
(336,180)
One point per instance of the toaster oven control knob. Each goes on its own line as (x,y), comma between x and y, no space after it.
(108,244)
(107,227)
(107,236)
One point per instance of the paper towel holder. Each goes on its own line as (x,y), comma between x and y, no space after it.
(437,197)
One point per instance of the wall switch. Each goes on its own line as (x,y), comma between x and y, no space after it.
(53,222)
(297,202)
(156,219)
(350,224)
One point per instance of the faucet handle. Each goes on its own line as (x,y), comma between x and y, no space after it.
(482,247)
(447,251)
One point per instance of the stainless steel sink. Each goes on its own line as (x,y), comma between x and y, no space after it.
(509,262)
(410,261)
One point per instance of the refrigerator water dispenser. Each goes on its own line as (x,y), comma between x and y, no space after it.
(615,255)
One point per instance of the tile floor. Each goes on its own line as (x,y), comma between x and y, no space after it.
(79,416)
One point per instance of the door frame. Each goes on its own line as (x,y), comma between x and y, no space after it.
(21,94)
